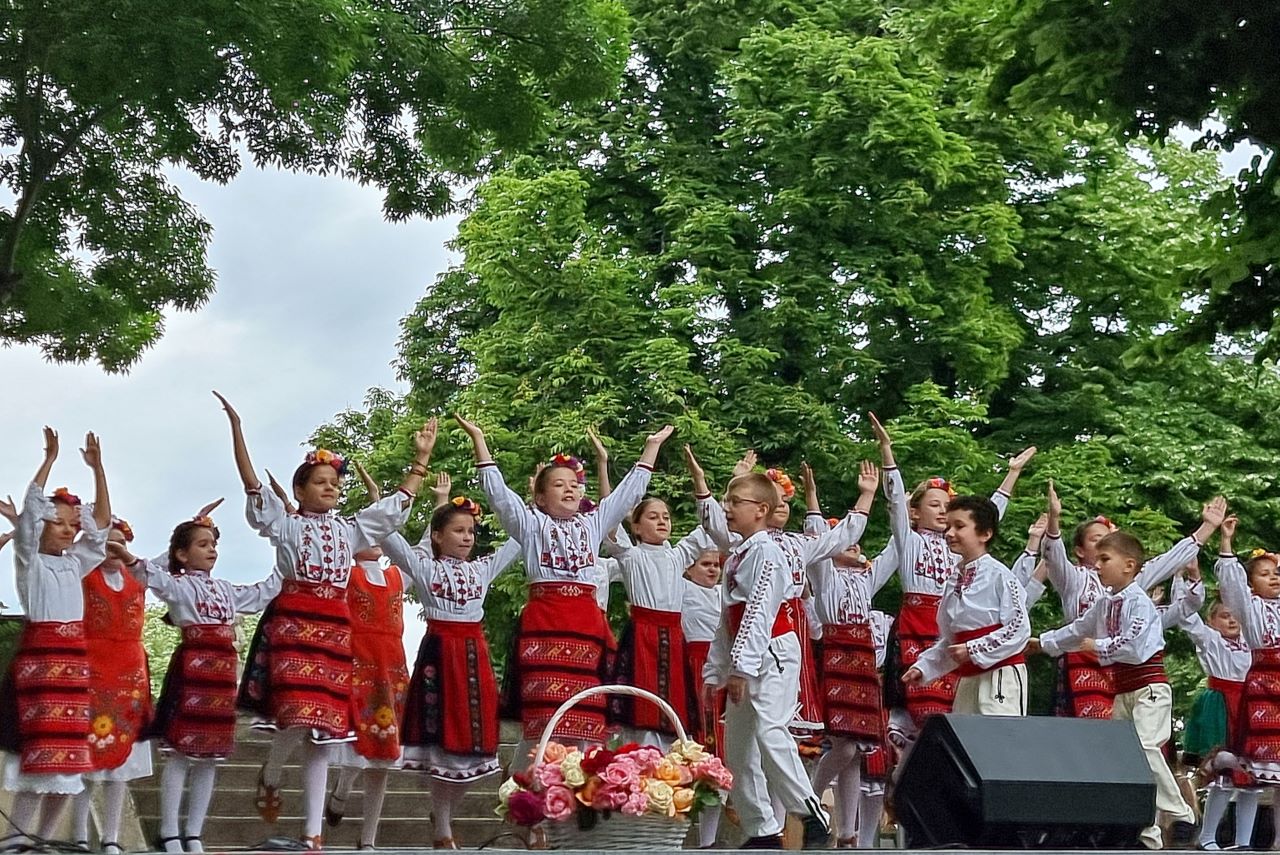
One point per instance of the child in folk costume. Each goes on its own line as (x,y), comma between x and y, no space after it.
(451,719)
(699,618)
(756,658)
(298,678)
(877,764)
(1124,630)
(843,589)
(1213,729)
(196,716)
(563,640)
(119,690)
(983,626)
(1084,688)
(45,697)
(925,563)
(1251,592)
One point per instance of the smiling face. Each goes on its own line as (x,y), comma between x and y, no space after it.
(559,493)
(60,533)
(782,513)
(456,537)
(651,522)
(931,509)
(1221,619)
(706,570)
(318,493)
(201,551)
(964,538)
(1264,578)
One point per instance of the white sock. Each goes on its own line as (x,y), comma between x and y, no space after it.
(779,810)
(173,781)
(346,780)
(446,796)
(53,807)
(870,813)
(1215,808)
(283,744)
(199,794)
(375,791)
(113,795)
(847,794)
(1246,813)
(709,826)
(80,814)
(315,787)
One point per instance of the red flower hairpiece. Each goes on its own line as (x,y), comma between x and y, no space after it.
(783,480)
(203,522)
(833,521)
(329,458)
(124,528)
(941,484)
(568,461)
(1101,520)
(466,504)
(62,494)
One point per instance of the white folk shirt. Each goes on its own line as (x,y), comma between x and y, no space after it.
(1078,586)
(881,623)
(1259,617)
(699,611)
(841,595)
(755,577)
(925,562)
(653,574)
(195,598)
(450,589)
(983,593)
(50,587)
(318,548)
(1220,657)
(1125,627)
(562,550)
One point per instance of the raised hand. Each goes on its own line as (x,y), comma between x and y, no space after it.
(92,451)
(601,452)
(1229,526)
(746,464)
(868,477)
(424,441)
(470,428)
(209,508)
(50,444)
(5,538)
(695,471)
(882,435)
(121,553)
(478,441)
(660,436)
(1022,459)
(442,490)
(1055,504)
(1037,529)
(9,510)
(370,485)
(1215,511)
(226,405)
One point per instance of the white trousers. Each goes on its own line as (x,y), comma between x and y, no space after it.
(1151,711)
(1000,691)
(759,749)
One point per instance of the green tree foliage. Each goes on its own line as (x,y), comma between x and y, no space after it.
(161,639)
(98,98)
(794,213)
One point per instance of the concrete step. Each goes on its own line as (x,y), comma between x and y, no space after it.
(479,802)
(239,832)
(239,775)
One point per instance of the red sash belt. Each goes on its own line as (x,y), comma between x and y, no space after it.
(209,632)
(561,589)
(456,628)
(323,590)
(1130,678)
(1227,687)
(973,669)
(655,617)
(782,624)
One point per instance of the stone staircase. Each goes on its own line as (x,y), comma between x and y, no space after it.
(233,822)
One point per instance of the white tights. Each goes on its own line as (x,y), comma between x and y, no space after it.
(843,766)
(178,768)
(375,793)
(114,793)
(40,813)
(446,798)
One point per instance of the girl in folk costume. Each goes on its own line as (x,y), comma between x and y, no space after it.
(451,721)
(119,690)
(1084,687)
(196,716)
(45,698)
(1213,729)
(925,562)
(563,639)
(853,718)
(699,619)
(298,677)
(878,762)
(1251,592)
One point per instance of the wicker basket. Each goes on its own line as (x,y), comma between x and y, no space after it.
(616,831)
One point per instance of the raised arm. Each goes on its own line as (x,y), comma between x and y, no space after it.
(602,463)
(50,454)
(613,508)
(241,451)
(850,529)
(1058,565)
(514,515)
(92,452)
(424,442)
(441,491)
(811,504)
(280,493)
(1016,465)
(1162,567)
(1073,636)
(370,486)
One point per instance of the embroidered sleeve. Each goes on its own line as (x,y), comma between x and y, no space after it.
(1062,573)
(905,541)
(749,645)
(1068,638)
(1024,567)
(1163,566)
(614,507)
(415,564)
(835,540)
(1035,590)
(1123,645)
(36,508)
(1012,635)
(90,548)
(711,515)
(266,514)
(251,599)
(374,524)
(516,518)
(883,566)
(689,547)
(1233,588)
(500,560)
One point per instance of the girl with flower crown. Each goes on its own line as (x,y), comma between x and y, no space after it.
(119,690)
(196,717)
(563,640)
(298,677)
(44,703)
(924,562)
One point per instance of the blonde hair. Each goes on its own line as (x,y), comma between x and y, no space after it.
(758,487)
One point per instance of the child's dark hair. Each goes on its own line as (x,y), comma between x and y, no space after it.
(1082,531)
(181,539)
(637,513)
(986,516)
(1126,546)
(441,517)
(302,474)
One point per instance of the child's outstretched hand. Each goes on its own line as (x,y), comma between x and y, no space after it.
(424,441)
(1055,504)
(602,453)
(660,436)
(1022,459)
(868,477)
(443,487)
(1229,526)
(5,538)
(470,428)
(960,653)
(92,451)
(226,405)
(695,470)
(50,444)
(1037,529)
(882,435)
(913,676)
(121,553)
(1033,643)
(1215,511)
(1193,570)
(370,485)
(746,464)
(209,508)
(9,510)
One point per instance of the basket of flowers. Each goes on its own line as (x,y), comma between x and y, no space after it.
(631,797)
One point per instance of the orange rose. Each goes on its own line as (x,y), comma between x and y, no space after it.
(555,753)
(683,799)
(587,792)
(667,772)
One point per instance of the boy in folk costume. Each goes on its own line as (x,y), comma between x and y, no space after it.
(756,658)
(983,626)
(1124,630)
(700,612)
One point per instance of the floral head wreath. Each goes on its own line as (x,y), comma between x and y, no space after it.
(573,464)
(833,521)
(62,494)
(783,480)
(327,457)
(1262,553)
(941,484)
(203,522)
(1104,521)
(124,528)
(466,504)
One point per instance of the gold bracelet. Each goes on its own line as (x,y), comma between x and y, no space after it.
(418,469)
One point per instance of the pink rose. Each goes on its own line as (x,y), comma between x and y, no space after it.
(559,802)
(622,772)
(636,804)
(525,808)
(713,771)
(647,758)
(610,798)
(548,775)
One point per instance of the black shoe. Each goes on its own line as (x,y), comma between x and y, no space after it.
(334,816)
(817,831)
(1182,834)
(768,841)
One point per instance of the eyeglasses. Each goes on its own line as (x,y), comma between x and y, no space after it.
(739,500)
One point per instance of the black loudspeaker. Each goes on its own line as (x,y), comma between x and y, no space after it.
(1025,783)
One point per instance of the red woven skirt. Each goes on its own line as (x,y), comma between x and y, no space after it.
(1260,708)
(851,690)
(379,686)
(196,715)
(563,645)
(1085,688)
(453,696)
(917,631)
(808,717)
(47,704)
(709,727)
(654,656)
